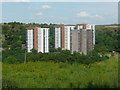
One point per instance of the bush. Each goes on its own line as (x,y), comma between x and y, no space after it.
(10,60)
(32,57)
(9,84)
(66,56)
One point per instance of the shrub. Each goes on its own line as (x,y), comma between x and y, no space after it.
(10,60)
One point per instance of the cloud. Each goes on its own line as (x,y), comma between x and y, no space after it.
(46,7)
(42,7)
(83,14)
(15,0)
(39,14)
(86,14)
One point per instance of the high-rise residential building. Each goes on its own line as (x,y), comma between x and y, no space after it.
(67,35)
(75,43)
(87,26)
(30,39)
(83,38)
(38,38)
(79,38)
(62,36)
(59,36)
(82,41)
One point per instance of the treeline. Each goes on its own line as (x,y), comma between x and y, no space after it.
(58,55)
(14,43)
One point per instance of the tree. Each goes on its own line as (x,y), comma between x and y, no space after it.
(94,56)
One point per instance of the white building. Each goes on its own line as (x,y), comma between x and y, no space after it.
(29,40)
(63,36)
(38,38)
(43,40)
(68,29)
(58,37)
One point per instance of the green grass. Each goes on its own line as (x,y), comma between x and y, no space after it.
(62,75)
(0,75)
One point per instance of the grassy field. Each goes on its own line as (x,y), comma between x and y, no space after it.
(0,75)
(62,75)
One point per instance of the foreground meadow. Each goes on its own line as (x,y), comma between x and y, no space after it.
(61,75)
(0,75)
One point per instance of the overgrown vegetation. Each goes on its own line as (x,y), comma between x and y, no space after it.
(14,42)
(66,56)
(61,75)
(107,39)
(58,69)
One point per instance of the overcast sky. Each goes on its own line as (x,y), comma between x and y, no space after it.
(60,12)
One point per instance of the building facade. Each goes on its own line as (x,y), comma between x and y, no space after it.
(62,36)
(79,38)
(59,36)
(75,45)
(29,39)
(67,34)
(87,26)
(82,41)
(58,39)
(38,38)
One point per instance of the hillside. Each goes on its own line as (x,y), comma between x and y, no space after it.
(14,41)
(62,75)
